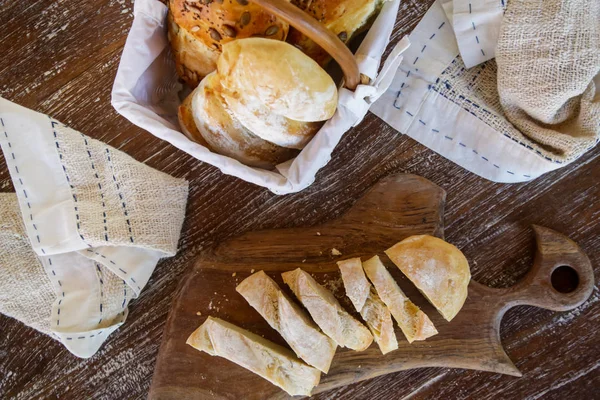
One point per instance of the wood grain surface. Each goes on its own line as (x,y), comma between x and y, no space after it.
(60,57)
(396,207)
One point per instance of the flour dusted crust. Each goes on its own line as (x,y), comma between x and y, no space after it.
(327,312)
(187,123)
(345,18)
(368,304)
(274,128)
(224,134)
(287,318)
(280,77)
(199,28)
(274,363)
(413,322)
(437,268)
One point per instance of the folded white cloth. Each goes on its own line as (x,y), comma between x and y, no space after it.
(534,111)
(84,231)
(476,24)
(145,92)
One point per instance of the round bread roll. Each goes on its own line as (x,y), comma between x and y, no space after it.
(224,134)
(187,123)
(279,77)
(345,18)
(208,24)
(258,118)
(437,268)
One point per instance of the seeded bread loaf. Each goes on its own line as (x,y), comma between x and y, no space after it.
(345,18)
(327,312)
(438,269)
(274,363)
(287,318)
(413,322)
(218,130)
(198,29)
(368,304)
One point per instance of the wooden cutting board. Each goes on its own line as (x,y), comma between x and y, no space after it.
(396,207)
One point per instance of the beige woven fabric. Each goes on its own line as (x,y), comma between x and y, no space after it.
(548,55)
(25,291)
(120,201)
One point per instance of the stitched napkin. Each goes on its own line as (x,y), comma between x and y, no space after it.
(476,25)
(533,109)
(84,231)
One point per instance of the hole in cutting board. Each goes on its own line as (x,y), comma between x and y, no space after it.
(564,279)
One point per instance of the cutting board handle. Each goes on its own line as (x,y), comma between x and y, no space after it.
(561,278)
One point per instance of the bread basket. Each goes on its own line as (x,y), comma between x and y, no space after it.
(146,89)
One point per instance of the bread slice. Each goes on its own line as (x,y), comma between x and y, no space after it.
(437,268)
(274,363)
(327,312)
(368,304)
(225,134)
(287,318)
(187,123)
(413,322)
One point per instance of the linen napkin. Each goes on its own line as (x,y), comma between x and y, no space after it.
(84,231)
(533,109)
(476,25)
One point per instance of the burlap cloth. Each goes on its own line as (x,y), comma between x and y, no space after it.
(548,55)
(540,89)
(533,108)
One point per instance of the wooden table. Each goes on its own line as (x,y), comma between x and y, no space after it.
(60,57)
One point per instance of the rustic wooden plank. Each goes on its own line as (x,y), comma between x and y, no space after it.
(63,72)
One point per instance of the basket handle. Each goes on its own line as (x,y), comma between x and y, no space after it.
(318,34)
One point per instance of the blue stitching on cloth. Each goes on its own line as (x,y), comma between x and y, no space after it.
(21,182)
(124,294)
(99,187)
(63,293)
(135,283)
(466,147)
(99,273)
(84,337)
(60,156)
(123,205)
(103,256)
(416,69)
(476,37)
(488,112)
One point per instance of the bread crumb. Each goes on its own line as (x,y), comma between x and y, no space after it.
(318,233)
(198,313)
(333,285)
(252,271)
(335,252)
(359,366)
(304,260)
(234,274)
